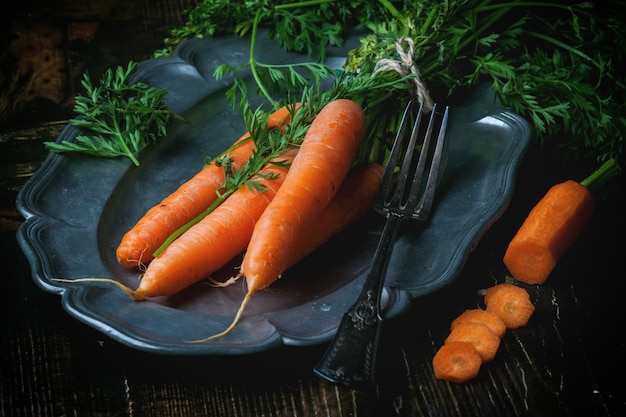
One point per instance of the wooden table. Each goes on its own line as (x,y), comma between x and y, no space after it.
(567,362)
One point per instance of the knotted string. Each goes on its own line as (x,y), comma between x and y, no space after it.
(405,66)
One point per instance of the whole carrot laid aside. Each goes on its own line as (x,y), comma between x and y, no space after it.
(316,174)
(138,245)
(553,224)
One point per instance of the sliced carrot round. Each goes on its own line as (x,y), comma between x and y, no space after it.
(511,303)
(484,340)
(478,315)
(457,362)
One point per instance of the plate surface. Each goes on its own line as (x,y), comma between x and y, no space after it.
(77,209)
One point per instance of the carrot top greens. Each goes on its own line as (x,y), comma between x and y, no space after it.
(557,63)
(123,118)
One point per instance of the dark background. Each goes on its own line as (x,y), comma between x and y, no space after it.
(569,360)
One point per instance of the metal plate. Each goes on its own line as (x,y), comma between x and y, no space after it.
(78,207)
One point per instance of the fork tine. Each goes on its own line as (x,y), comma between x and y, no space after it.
(421,208)
(394,156)
(407,163)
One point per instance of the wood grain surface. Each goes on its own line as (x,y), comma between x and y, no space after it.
(567,362)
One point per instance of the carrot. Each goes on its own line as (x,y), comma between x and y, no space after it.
(485,341)
(353,200)
(511,303)
(211,243)
(487,318)
(188,201)
(215,240)
(457,362)
(552,226)
(316,174)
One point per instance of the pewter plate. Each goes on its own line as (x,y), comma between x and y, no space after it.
(77,208)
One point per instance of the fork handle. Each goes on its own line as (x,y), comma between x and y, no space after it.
(351,357)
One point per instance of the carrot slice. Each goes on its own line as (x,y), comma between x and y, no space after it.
(511,303)
(457,362)
(478,315)
(484,340)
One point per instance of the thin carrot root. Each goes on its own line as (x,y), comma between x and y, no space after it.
(223,284)
(233,324)
(135,296)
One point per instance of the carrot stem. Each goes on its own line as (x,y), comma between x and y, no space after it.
(600,176)
(253,67)
(172,237)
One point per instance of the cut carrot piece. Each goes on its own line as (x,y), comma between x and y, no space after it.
(549,230)
(553,225)
(457,362)
(511,303)
(478,315)
(484,340)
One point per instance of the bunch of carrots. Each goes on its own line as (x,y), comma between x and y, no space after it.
(550,228)
(296,202)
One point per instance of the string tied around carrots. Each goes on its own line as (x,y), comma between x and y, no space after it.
(405,65)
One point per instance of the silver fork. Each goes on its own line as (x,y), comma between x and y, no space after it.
(351,357)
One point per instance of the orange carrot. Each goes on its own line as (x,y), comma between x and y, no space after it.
(316,174)
(353,200)
(552,226)
(188,201)
(215,240)
(484,340)
(511,303)
(457,362)
(477,315)
(548,231)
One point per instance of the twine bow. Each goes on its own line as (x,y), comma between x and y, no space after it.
(405,66)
